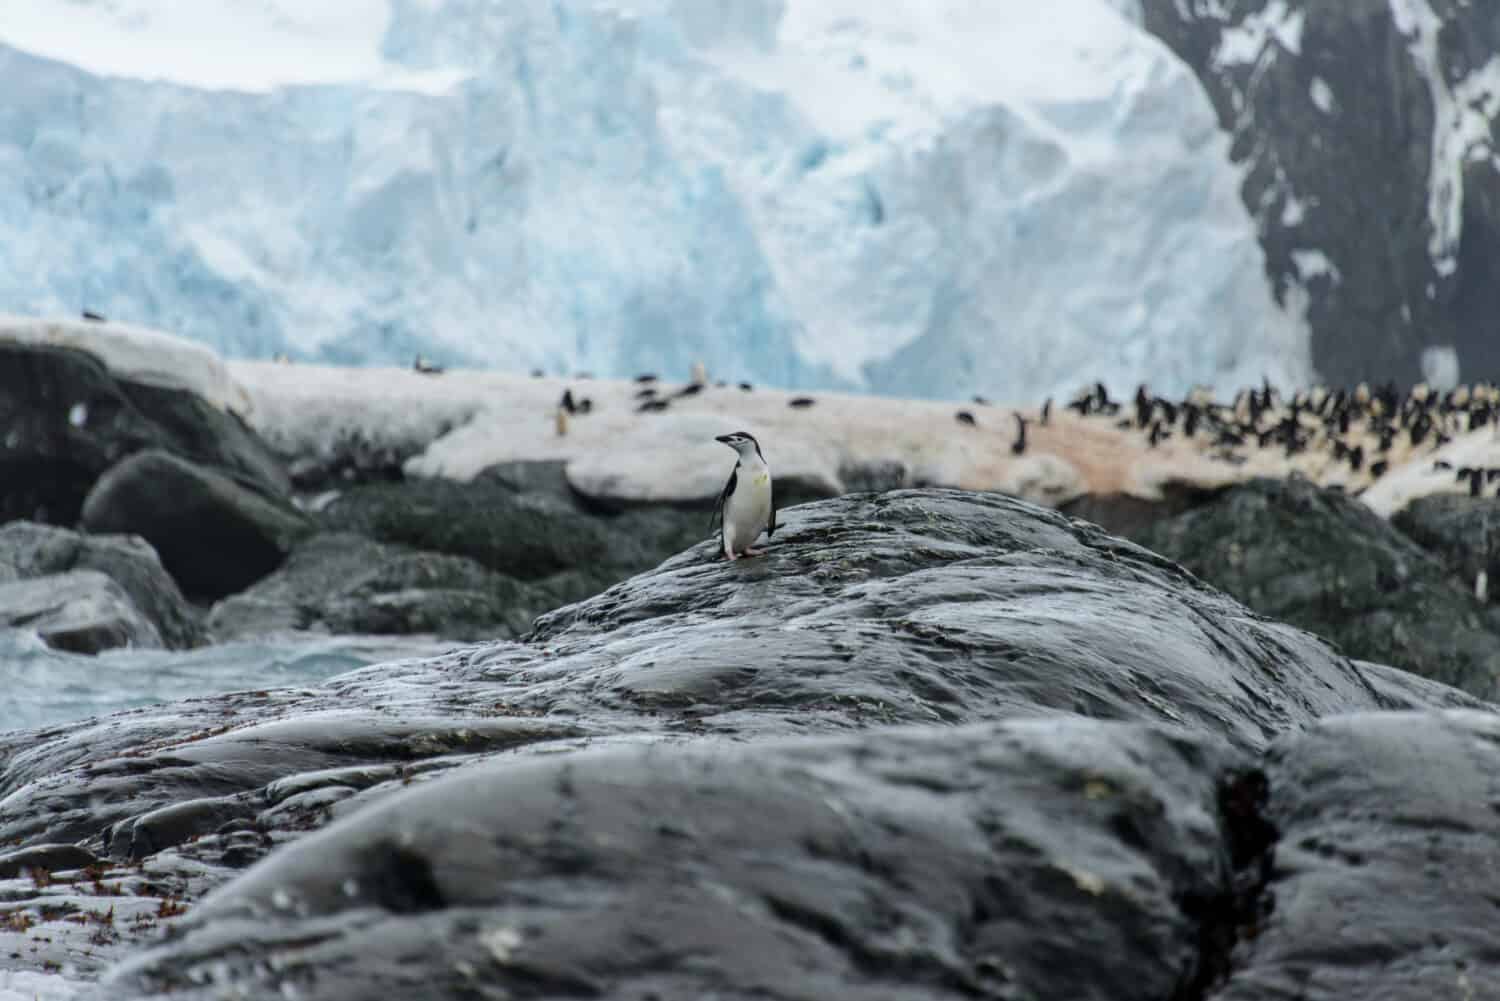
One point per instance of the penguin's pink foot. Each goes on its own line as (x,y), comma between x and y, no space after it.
(755,552)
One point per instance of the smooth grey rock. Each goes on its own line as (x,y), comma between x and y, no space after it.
(214,535)
(1463,531)
(28,550)
(81,611)
(545,536)
(1384,883)
(1321,560)
(344,583)
(915,863)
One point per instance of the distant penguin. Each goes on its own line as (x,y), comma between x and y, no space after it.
(537,373)
(646,377)
(981,401)
(566,403)
(645,394)
(801,402)
(700,374)
(425,366)
(1018,446)
(282,358)
(691,389)
(560,417)
(964,417)
(585,405)
(93,317)
(1046,411)
(746,386)
(652,407)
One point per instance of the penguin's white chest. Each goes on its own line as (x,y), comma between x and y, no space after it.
(748,509)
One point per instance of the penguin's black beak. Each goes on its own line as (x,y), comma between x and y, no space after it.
(724,438)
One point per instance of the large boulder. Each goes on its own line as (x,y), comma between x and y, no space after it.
(67,419)
(933,745)
(214,535)
(911,863)
(524,535)
(29,550)
(1384,883)
(1319,559)
(521,521)
(344,583)
(1463,531)
(81,611)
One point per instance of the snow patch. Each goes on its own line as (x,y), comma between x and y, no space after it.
(219,44)
(1243,44)
(1421,477)
(1321,94)
(1314,264)
(1440,368)
(1293,211)
(25,985)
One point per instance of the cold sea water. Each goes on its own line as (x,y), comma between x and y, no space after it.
(40,686)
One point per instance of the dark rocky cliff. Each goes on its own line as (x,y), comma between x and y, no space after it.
(1335,110)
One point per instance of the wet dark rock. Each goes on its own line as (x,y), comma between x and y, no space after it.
(1384,883)
(46,858)
(31,550)
(1131,516)
(695,782)
(909,863)
(214,535)
(67,419)
(81,611)
(520,520)
(343,583)
(1321,560)
(526,536)
(1463,531)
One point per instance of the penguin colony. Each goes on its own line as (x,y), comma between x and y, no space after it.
(1345,438)
(1364,430)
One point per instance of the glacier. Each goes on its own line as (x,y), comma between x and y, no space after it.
(929,198)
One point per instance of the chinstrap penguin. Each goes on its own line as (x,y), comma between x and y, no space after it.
(747,505)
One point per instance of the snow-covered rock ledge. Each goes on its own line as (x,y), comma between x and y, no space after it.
(135,353)
(457,423)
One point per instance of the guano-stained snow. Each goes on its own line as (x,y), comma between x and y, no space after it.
(927,198)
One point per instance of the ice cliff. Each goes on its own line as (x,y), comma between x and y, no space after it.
(926,197)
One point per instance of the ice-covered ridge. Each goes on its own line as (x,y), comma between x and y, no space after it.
(813,194)
(219,44)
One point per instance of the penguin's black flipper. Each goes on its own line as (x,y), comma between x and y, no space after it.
(771,525)
(718,515)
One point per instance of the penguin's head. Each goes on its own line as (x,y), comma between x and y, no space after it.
(742,442)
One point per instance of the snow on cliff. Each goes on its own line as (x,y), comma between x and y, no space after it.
(925,197)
